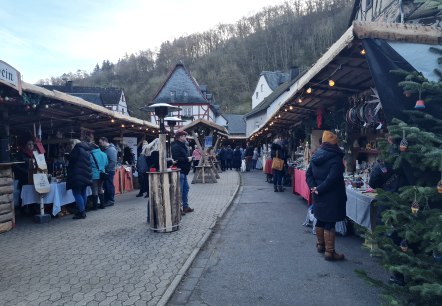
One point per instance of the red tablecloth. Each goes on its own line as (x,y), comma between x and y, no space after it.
(268,167)
(127,179)
(117,181)
(300,185)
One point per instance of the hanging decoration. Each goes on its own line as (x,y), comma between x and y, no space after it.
(415,205)
(420,104)
(403,146)
(404,246)
(319,114)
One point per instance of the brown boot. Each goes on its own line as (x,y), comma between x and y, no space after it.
(330,254)
(320,243)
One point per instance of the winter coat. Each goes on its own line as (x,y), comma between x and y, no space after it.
(326,174)
(180,153)
(102,162)
(249,151)
(142,164)
(277,148)
(111,153)
(229,154)
(79,169)
(236,159)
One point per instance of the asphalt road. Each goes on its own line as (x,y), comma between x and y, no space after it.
(260,254)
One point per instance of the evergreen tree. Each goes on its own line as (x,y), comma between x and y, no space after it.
(410,238)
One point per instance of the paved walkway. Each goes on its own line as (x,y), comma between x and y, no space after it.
(111,257)
(260,254)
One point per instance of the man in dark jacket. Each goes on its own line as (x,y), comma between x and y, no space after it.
(229,157)
(79,176)
(325,177)
(180,155)
(248,154)
(109,188)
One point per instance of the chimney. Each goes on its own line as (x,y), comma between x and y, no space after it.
(294,72)
(69,86)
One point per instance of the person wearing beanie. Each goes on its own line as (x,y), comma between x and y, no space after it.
(325,177)
(180,155)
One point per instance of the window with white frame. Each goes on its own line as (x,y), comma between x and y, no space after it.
(186,111)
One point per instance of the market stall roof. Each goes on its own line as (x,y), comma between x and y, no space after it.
(201,123)
(57,111)
(345,64)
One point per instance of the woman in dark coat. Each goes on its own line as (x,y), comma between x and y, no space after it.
(277,151)
(79,175)
(326,181)
(236,161)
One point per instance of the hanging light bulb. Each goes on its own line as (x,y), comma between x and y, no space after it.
(309,90)
(363,52)
(123,126)
(331,83)
(299,100)
(291,107)
(112,120)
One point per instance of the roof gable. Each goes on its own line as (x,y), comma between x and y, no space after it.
(275,78)
(180,87)
(109,95)
(235,124)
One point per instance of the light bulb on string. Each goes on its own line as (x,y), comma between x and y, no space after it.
(331,83)
(112,120)
(299,100)
(363,52)
(291,107)
(309,90)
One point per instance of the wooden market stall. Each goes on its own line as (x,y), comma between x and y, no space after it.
(351,91)
(51,119)
(206,134)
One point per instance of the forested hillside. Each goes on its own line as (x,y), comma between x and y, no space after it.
(229,57)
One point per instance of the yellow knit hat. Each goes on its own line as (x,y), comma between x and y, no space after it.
(329,137)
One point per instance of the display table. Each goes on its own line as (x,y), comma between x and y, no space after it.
(58,196)
(123,179)
(268,166)
(300,185)
(360,208)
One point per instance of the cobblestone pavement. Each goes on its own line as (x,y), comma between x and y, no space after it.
(111,257)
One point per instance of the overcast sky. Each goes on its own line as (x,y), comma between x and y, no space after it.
(50,37)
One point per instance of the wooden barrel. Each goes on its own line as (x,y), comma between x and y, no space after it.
(7,215)
(164,201)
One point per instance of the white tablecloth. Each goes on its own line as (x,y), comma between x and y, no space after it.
(58,196)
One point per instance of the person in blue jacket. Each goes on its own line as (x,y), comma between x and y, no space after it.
(99,163)
(325,177)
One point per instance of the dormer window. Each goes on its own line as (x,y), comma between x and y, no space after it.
(186,96)
(262,87)
(256,95)
(172,96)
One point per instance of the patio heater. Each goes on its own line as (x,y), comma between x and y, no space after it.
(164,205)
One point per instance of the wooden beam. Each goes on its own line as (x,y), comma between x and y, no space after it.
(405,32)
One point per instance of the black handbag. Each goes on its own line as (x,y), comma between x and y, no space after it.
(103,175)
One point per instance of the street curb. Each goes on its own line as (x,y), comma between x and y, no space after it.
(175,282)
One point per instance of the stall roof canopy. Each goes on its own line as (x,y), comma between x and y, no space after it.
(194,125)
(347,66)
(57,111)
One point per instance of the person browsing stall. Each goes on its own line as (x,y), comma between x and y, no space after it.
(109,188)
(180,155)
(79,174)
(325,177)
